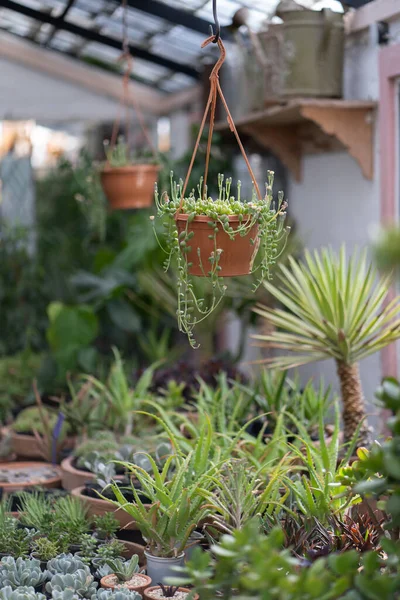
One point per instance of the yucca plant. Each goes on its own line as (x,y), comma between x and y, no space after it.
(332,308)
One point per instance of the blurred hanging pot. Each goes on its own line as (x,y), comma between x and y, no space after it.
(304,54)
(129,187)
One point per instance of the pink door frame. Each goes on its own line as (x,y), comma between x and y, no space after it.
(389,71)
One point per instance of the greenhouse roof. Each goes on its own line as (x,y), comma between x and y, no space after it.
(164,35)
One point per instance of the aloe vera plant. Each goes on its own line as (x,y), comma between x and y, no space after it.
(21,572)
(175,505)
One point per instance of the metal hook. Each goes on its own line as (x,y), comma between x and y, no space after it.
(217,25)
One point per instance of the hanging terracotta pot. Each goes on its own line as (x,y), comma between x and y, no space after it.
(129,187)
(237,254)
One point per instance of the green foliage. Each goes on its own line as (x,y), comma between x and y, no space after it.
(106,525)
(71,332)
(380,467)
(24,294)
(20,571)
(110,550)
(30,419)
(121,155)
(16,375)
(21,593)
(333,308)
(386,248)
(263,213)
(44,549)
(248,564)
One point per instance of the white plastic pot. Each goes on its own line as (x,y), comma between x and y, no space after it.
(159,569)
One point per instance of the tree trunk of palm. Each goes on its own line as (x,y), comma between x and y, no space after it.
(353,403)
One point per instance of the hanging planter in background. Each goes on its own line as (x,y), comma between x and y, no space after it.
(220,238)
(129,187)
(128,181)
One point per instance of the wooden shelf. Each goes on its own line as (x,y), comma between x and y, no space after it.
(301,126)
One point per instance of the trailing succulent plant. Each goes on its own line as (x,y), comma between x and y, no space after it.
(21,593)
(21,572)
(64,564)
(81,583)
(264,213)
(124,570)
(120,594)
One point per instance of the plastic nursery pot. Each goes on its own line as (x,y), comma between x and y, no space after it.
(237,255)
(194,540)
(129,187)
(109,582)
(159,568)
(154,592)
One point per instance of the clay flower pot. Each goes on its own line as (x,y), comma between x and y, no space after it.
(22,475)
(237,255)
(148,593)
(98,506)
(108,582)
(129,187)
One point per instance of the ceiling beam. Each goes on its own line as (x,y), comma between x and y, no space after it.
(94,36)
(64,13)
(175,16)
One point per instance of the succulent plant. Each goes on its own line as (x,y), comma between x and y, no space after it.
(102,570)
(21,593)
(21,572)
(80,582)
(124,570)
(120,594)
(67,594)
(64,563)
(45,549)
(111,549)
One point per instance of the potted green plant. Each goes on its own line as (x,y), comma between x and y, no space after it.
(332,308)
(21,572)
(125,574)
(175,509)
(23,592)
(169,591)
(81,583)
(128,183)
(218,238)
(44,550)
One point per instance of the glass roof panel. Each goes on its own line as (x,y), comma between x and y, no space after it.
(157,38)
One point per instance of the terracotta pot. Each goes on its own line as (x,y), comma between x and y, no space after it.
(156,587)
(237,255)
(26,446)
(71,477)
(129,187)
(105,583)
(98,506)
(52,482)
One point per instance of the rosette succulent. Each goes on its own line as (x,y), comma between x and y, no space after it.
(21,572)
(80,583)
(20,593)
(120,594)
(65,563)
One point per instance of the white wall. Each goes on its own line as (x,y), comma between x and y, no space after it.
(334,203)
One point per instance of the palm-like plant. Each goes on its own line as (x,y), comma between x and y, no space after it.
(332,308)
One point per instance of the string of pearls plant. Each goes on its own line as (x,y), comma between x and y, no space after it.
(267,215)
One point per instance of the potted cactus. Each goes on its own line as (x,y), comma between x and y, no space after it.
(218,238)
(125,574)
(128,183)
